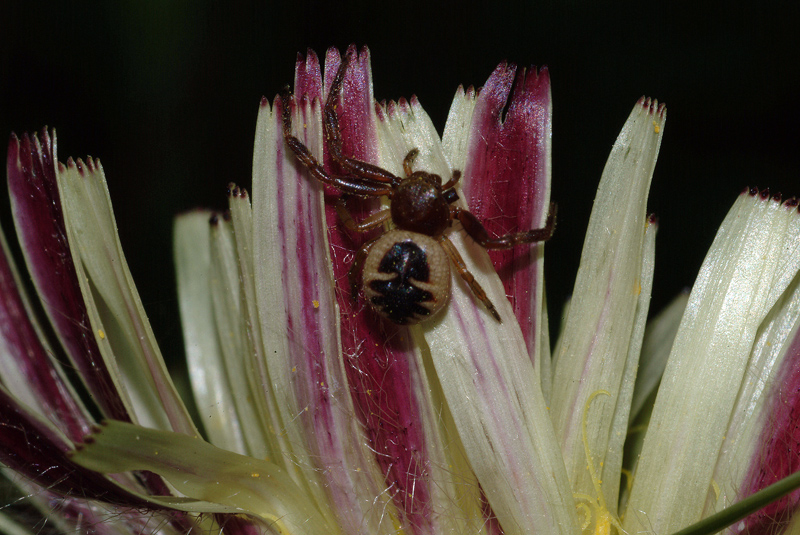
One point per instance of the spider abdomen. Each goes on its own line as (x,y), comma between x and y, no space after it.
(406,276)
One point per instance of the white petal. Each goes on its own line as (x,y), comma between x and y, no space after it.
(657,344)
(296,330)
(612,465)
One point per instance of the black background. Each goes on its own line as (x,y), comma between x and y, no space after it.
(166,94)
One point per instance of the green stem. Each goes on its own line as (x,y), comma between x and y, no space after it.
(739,510)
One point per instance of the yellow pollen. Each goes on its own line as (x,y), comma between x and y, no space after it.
(716,488)
(603,518)
(101,334)
(656,128)
(315,303)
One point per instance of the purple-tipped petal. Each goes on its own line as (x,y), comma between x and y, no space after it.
(507,179)
(40,228)
(307,79)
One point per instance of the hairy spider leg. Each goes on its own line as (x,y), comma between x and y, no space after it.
(478,232)
(361,169)
(353,185)
(453,180)
(354,275)
(462,269)
(372,221)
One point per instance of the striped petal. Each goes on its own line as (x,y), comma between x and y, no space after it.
(306,357)
(394,400)
(39,221)
(484,367)
(507,182)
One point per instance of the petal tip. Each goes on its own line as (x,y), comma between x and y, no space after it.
(652,106)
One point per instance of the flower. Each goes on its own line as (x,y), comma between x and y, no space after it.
(319,417)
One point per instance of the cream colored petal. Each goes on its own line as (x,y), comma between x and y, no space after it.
(121,326)
(600,341)
(752,261)
(657,343)
(214,480)
(212,390)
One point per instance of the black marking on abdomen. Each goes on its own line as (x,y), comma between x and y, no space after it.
(399,299)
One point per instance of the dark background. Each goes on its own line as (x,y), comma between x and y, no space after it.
(166,94)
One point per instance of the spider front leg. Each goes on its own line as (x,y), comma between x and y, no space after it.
(346,184)
(456,176)
(478,232)
(373,221)
(330,122)
(408,161)
(462,269)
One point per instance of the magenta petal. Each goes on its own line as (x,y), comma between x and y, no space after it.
(507,177)
(33,449)
(379,359)
(40,228)
(26,352)
(307,79)
(777,456)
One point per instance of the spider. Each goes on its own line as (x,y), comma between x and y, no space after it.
(405,271)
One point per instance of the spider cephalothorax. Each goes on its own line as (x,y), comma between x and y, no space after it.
(404,272)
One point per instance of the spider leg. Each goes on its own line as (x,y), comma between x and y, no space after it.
(354,275)
(462,269)
(478,233)
(351,185)
(409,161)
(363,170)
(453,180)
(371,222)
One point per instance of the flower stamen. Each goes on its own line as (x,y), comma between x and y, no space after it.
(604,518)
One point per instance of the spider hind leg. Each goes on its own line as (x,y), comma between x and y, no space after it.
(462,269)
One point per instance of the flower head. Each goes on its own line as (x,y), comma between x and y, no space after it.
(318,416)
